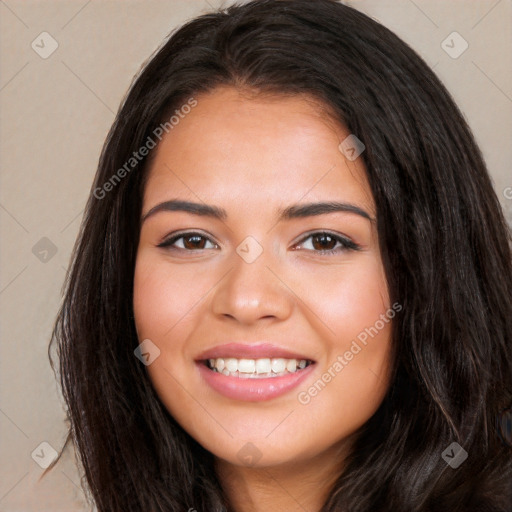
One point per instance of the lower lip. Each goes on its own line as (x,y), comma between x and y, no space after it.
(253,390)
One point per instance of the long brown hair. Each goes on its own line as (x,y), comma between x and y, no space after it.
(446,253)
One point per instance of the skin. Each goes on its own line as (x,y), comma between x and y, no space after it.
(253,155)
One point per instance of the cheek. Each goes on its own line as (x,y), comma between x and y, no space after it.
(355,365)
(349,300)
(167,304)
(165,296)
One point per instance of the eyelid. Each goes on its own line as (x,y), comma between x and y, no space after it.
(346,242)
(173,237)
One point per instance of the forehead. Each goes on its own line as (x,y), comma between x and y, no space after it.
(266,148)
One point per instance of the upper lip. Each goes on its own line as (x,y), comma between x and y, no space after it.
(250,351)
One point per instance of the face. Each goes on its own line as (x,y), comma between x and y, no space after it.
(290,305)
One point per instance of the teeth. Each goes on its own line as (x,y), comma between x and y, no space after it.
(256,368)
(246,365)
(231,365)
(263,366)
(291,365)
(278,365)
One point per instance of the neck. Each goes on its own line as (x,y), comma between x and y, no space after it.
(294,486)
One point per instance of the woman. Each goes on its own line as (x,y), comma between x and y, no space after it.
(291,289)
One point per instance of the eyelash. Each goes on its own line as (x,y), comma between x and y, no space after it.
(346,243)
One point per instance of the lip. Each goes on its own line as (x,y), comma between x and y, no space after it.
(252,390)
(254,351)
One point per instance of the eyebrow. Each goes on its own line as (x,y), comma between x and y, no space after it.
(295,211)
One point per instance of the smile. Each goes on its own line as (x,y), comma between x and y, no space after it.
(250,380)
(256,368)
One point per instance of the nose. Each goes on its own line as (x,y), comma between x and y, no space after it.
(252,291)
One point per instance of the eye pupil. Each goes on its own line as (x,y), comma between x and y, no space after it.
(195,243)
(323,237)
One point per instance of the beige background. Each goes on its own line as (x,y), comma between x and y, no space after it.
(55,114)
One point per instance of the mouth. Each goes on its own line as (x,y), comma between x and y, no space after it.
(262,368)
(253,373)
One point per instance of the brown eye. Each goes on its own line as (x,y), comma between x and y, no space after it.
(191,241)
(325,243)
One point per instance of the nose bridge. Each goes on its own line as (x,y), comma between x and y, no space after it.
(251,290)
